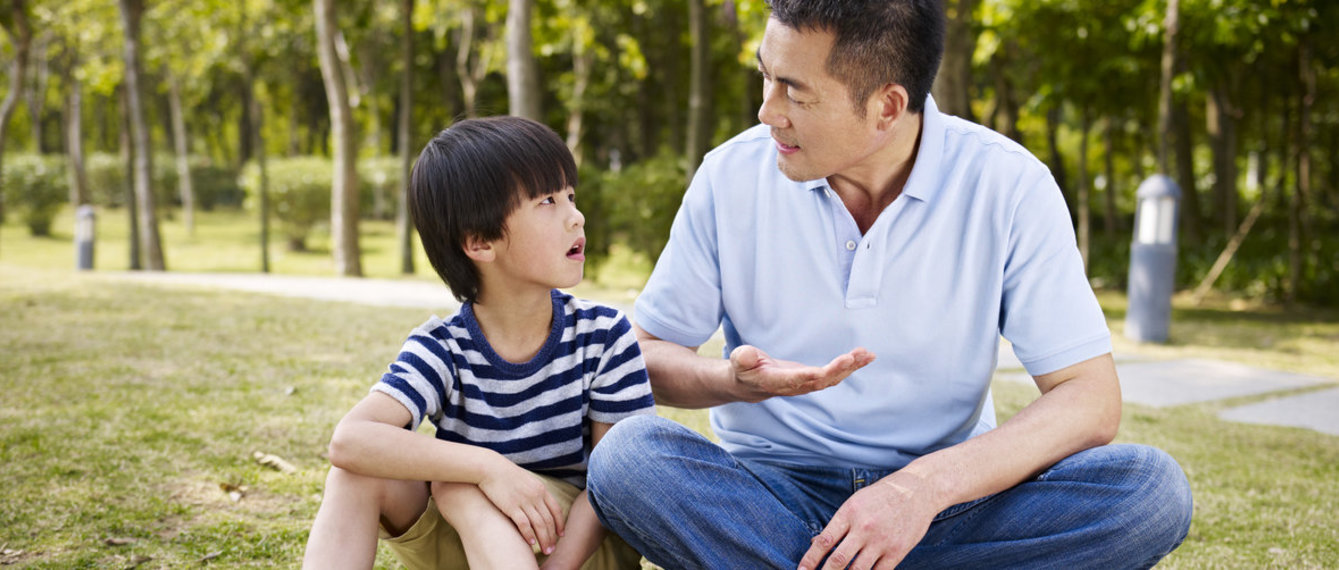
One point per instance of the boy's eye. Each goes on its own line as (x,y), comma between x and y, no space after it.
(547,200)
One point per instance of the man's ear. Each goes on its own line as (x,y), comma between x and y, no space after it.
(890,104)
(479,249)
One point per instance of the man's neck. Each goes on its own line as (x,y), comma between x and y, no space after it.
(868,190)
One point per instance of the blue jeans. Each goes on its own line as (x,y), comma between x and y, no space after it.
(684,502)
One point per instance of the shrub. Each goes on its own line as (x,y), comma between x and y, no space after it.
(640,202)
(214,185)
(35,187)
(379,187)
(299,193)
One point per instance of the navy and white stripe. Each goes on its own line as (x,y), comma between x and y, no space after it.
(533,413)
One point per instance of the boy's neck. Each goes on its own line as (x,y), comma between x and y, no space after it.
(515,326)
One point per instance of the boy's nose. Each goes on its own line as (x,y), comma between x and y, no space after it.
(578,219)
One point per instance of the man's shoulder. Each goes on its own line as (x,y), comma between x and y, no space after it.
(963,137)
(754,141)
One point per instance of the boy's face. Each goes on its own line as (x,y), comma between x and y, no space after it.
(544,244)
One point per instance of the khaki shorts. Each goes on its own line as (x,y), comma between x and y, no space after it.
(431,543)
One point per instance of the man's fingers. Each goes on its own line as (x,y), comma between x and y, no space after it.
(745,357)
(822,544)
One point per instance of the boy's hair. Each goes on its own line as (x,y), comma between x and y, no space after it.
(877,42)
(470,177)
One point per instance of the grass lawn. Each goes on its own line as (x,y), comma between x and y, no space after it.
(129,414)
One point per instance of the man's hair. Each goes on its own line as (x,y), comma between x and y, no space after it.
(470,177)
(877,42)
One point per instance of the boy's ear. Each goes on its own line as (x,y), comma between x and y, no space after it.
(479,249)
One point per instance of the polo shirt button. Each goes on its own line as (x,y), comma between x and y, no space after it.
(850,245)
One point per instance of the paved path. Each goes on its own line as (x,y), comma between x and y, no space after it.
(1150,382)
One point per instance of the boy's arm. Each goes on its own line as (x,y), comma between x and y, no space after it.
(584,531)
(371,440)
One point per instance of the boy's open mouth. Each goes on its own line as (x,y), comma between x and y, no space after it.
(578,249)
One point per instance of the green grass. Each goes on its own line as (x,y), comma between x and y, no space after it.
(125,409)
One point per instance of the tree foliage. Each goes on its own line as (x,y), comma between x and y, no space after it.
(1077,82)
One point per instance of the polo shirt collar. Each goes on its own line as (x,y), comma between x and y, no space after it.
(923,183)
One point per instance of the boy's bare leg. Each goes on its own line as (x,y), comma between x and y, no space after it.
(490,538)
(344,534)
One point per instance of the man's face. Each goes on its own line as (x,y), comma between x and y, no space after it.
(817,131)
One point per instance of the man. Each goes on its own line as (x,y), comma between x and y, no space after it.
(859,216)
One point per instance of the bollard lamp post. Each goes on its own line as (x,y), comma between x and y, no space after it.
(1153,260)
(84,218)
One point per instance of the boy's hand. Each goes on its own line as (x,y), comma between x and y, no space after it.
(524,499)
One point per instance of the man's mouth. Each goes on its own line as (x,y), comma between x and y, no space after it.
(784,148)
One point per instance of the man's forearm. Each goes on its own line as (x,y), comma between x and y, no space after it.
(684,379)
(1076,413)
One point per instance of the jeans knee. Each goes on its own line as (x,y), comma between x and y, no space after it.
(1160,500)
(1170,489)
(627,446)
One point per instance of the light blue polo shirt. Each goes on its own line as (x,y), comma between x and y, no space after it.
(979,244)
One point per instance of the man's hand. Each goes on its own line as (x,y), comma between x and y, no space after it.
(875,528)
(764,377)
(525,500)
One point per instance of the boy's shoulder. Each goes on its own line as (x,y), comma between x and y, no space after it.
(586,309)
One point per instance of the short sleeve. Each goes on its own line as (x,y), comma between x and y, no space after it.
(1048,311)
(620,388)
(681,302)
(420,376)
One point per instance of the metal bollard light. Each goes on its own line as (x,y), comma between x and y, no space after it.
(84,218)
(1153,260)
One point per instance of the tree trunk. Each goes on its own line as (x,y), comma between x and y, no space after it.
(1170,25)
(74,139)
(1185,174)
(469,83)
(404,225)
(1084,211)
(953,86)
(1298,222)
(1006,104)
(1225,256)
(257,129)
(182,148)
(522,72)
(20,35)
(1221,125)
(583,58)
(37,87)
(699,90)
(1109,173)
(127,147)
(131,12)
(344,193)
(1053,119)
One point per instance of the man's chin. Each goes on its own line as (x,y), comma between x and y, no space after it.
(791,171)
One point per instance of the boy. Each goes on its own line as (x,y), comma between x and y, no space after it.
(520,384)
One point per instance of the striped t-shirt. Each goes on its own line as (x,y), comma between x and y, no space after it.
(537,413)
